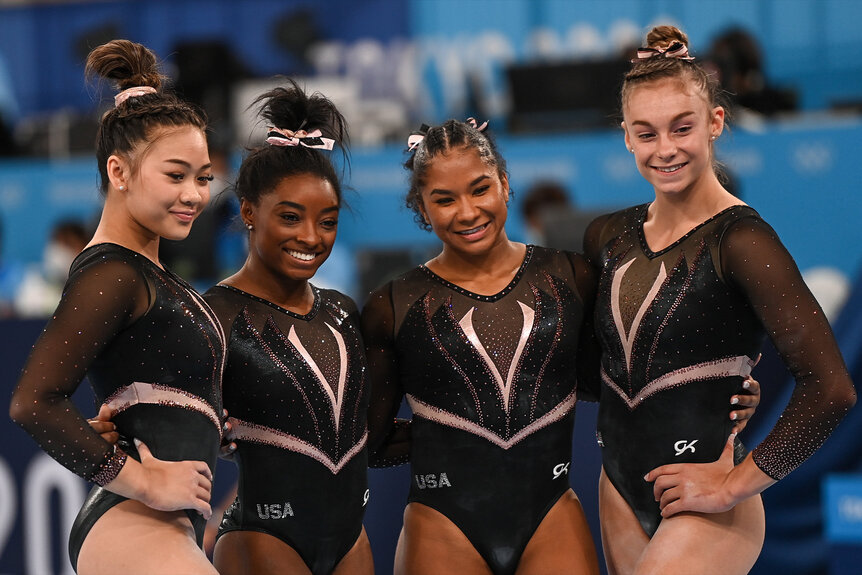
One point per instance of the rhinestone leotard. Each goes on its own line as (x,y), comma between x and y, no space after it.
(491,381)
(296,395)
(680,328)
(151,349)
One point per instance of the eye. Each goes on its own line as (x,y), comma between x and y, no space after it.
(329,224)
(683,129)
(206,179)
(480,191)
(443,201)
(289,217)
(645,136)
(177,176)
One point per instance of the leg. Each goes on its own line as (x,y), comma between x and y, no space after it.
(431,544)
(132,539)
(256,553)
(623,538)
(358,560)
(562,544)
(708,544)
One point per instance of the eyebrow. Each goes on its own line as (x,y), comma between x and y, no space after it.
(188,165)
(676,118)
(302,208)
(473,183)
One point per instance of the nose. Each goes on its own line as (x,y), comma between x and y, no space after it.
(666,147)
(193,193)
(468,211)
(307,233)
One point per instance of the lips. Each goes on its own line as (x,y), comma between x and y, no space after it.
(302,256)
(472,231)
(185,217)
(670,169)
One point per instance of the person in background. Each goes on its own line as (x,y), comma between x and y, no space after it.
(42,285)
(689,285)
(149,345)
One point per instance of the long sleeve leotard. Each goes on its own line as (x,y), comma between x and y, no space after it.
(491,381)
(680,329)
(151,349)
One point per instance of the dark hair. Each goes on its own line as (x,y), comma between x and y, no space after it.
(135,120)
(290,108)
(659,67)
(440,140)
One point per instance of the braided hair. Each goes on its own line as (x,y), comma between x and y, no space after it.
(135,120)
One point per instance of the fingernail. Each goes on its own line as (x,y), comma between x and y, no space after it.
(645,477)
(137,442)
(733,416)
(734,400)
(746,384)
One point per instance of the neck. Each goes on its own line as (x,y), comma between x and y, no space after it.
(697,204)
(258,280)
(116,227)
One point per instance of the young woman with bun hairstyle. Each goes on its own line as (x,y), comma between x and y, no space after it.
(483,341)
(148,343)
(295,378)
(689,285)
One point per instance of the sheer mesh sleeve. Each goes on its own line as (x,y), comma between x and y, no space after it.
(753,259)
(388,441)
(589,350)
(99,300)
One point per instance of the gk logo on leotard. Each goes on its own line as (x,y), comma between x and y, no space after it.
(683,445)
(432,481)
(365,497)
(274,511)
(561,469)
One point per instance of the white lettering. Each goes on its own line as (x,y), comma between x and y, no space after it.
(561,469)
(274,510)
(432,481)
(683,445)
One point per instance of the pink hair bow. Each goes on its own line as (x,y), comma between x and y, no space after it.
(676,50)
(279,137)
(133,92)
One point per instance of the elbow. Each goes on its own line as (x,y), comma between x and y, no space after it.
(17,410)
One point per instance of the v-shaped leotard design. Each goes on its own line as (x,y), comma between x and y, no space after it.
(295,392)
(491,383)
(152,350)
(680,329)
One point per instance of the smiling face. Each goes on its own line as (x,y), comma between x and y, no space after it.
(293,226)
(464,200)
(169,186)
(670,128)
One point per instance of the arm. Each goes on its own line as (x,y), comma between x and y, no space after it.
(754,260)
(388,439)
(100,300)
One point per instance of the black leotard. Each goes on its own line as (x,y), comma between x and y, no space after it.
(491,383)
(294,388)
(680,329)
(151,349)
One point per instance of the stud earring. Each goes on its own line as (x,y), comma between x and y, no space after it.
(249,227)
(712,138)
(122,188)
(632,150)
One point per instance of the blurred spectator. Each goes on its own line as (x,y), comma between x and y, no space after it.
(10,277)
(9,111)
(39,291)
(542,198)
(735,56)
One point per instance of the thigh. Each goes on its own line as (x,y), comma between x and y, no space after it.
(123,540)
(431,544)
(357,561)
(623,538)
(708,544)
(256,553)
(562,544)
